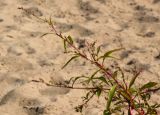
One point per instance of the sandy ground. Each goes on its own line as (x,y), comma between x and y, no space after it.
(24,56)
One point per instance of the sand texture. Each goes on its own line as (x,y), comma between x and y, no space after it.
(25,56)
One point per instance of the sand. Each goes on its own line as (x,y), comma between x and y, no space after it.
(25,56)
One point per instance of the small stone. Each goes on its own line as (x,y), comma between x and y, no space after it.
(35,10)
(158,56)
(149,19)
(30,50)
(43,63)
(15,50)
(138,65)
(131,62)
(102,1)
(140,8)
(86,7)
(155,1)
(1,20)
(149,34)
(125,54)
(81,43)
(64,27)
(114,25)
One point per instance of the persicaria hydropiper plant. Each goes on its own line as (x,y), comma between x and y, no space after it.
(121,95)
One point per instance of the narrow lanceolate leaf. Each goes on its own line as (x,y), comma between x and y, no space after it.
(156,105)
(95,73)
(111,94)
(65,46)
(115,74)
(125,95)
(98,92)
(77,78)
(50,22)
(98,49)
(105,112)
(103,79)
(148,85)
(70,39)
(133,80)
(69,61)
(108,54)
(45,34)
(92,76)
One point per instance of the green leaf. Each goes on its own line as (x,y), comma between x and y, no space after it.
(76,80)
(88,81)
(156,105)
(148,85)
(146,96)
(87,96)
(45,34)
(50,22)
(98,92)
(73,79)
(65,45)
(70,61)
(119,102)
(132,90)
(125,95)
(98,50)
(132,81)
(115,74)
(105,112)
(102,79)
(117,108)
(108,54)
(110,96)
(70,39)
(95,73)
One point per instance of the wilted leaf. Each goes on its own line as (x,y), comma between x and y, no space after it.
(79,108)
(70,39)
(110,96)
(70,61)
(117,108)
(115,74)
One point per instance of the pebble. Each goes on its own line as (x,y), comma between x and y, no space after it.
(15,50)
(1,20)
